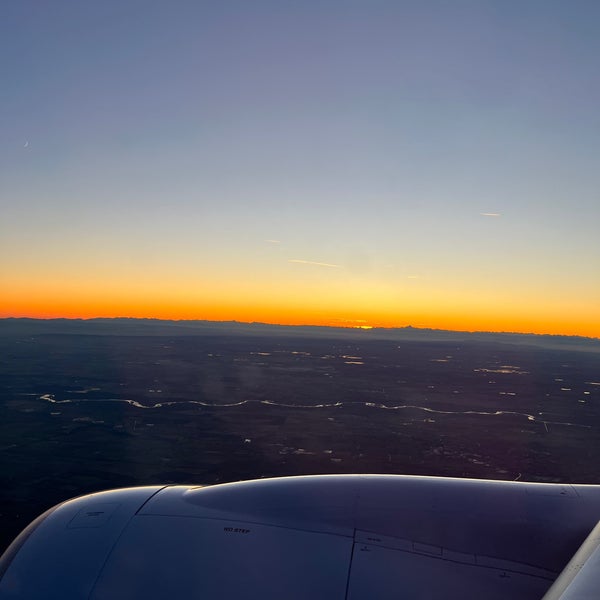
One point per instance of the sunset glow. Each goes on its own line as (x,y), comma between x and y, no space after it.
(343,165)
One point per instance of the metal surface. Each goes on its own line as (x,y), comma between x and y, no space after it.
(332,536)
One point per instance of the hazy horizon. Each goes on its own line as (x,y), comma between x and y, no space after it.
(357,328)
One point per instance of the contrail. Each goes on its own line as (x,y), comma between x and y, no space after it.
(312,262)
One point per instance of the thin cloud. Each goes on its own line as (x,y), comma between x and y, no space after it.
(490,214)
(312,262)
(273,241)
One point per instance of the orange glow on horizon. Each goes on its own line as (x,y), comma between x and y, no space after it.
(296,303)
(291,317)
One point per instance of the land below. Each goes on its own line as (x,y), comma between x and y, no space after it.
(91,405)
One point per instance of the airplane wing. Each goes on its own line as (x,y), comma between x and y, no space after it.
(329,536)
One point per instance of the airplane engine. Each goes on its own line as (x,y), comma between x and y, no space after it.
(330,536)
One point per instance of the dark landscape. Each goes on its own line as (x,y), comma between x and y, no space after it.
(91,405)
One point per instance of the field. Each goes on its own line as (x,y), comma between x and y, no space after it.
(82,412)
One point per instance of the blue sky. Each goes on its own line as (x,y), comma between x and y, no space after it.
(172,140)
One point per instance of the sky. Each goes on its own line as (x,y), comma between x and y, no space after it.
(334,162)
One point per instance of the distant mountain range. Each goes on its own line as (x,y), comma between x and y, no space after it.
(142,327)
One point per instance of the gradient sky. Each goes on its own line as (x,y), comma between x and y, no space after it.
(350,162)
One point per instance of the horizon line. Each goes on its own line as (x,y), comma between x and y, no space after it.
(363,328)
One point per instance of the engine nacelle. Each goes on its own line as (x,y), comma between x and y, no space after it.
(317,537)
